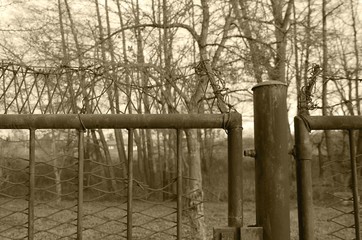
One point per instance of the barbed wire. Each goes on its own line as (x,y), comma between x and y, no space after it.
(60,89)
(220,93)
(308,90)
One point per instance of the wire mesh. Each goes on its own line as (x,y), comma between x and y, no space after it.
(52,211)
(13,204)
(64,202)
(342,193)
(14,191)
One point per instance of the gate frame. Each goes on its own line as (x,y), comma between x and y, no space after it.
(231,122)
(303,125)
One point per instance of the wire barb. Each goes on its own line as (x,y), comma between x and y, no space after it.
(305,101)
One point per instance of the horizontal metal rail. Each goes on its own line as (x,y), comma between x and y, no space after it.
(93,121)
(333,122)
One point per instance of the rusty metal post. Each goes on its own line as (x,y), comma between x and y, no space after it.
(235,179)
(303,150)
(80,184)
(130,185)
(272,160)
(352,148)
(179,184)
(31,201)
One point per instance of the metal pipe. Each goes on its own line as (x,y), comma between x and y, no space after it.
(235,177)
(272,160)
(303,151)
(130,185)
(179,185)
(31,185)
(333,122)
(80,184)
(249,153)
(352,148)
(93,121)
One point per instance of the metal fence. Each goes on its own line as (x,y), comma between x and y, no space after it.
(344,221)
(130,214)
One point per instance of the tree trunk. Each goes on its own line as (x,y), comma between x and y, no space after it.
(56,169)
(140,157)
(100,159)
(108,161)
(327,133)
(357,80)
(320,160)
(65,59)
(167,157)
(116,108)
(195,192)
(255,52)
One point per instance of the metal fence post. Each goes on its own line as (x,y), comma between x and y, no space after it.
(272,160)
(130,185)
(354,185)
(31,200)
(232,122)
(80,184)
(235,179)
(303,148)
(179,184)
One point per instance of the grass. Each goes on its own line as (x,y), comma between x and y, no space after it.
(107,220)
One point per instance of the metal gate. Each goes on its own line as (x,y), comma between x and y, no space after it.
(79,218)
(346,218)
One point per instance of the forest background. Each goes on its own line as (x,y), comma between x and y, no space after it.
(179,56)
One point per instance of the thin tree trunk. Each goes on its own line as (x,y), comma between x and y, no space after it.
(116,109)
(255,52)
(356,53)
(109,92)
(195,193)
(327,133)
(307,42)
(281,26)
(167,161)
(298,78)
(125,59)
(357,80)
(100,158)
(56,169)
(140,157)
(108,161)
(65,59)
(148,150)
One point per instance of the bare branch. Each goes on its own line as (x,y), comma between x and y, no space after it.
(192,31)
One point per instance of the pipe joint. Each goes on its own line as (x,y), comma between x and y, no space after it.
(232,120)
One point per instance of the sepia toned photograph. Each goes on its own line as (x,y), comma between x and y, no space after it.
(180,119)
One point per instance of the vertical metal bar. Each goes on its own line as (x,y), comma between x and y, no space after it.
(179,185)
(31,185)
(80,184)
(352,148)
(303,151)
(235,177)
(130,184)
(272,162)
